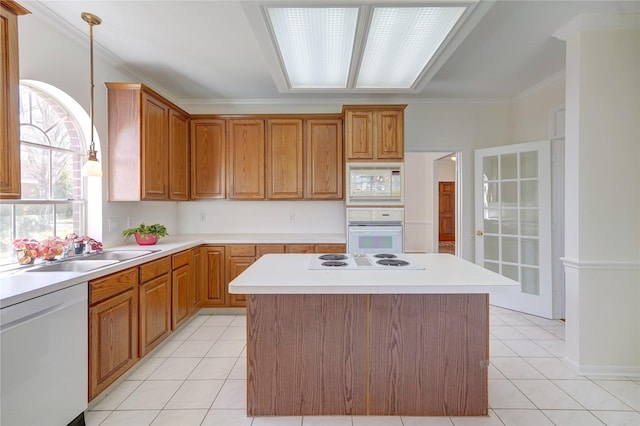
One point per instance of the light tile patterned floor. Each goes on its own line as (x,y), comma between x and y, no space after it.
(198,377)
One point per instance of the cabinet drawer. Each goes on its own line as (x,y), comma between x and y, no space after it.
(331,248)
(150,270)
(300,248)
(270,248)
(242,250)
(181,259)
(111,285)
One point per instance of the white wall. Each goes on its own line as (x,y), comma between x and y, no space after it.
(532,107)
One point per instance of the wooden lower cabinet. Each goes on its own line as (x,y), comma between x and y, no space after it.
(213,283)
(195,293)
(221,265)
(113,328)
(181,284)
(155,303)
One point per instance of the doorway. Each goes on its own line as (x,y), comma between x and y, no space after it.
(424,221)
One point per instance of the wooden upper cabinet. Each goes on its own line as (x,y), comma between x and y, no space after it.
(324,159)
(9,101)
(389,135)
(208,142)
(142,128)
(284,174)
(179,175)
(155,144)
(245,159)
(359,134)
(374,132)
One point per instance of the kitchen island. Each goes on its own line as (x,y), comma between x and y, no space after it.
(368,342)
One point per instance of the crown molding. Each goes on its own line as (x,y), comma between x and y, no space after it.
(598,22)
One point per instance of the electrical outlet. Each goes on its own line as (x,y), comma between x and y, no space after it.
(203,217)
(292,217)
(114,224)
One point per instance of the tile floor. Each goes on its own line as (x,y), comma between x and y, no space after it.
(198,378)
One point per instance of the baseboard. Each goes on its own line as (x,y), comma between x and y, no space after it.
(603,370)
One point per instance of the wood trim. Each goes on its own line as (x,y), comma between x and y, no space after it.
(145,89)
(328,116)
(14,7)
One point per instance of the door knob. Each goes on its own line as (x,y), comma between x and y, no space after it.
(479,233)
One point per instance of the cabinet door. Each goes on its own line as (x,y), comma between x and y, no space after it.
(178,156)
(208,141)
(235,266)
(359,135)
(284,159)
(262,249)
(213,276)
(245,161)
(180,283)
(9,102)
(324,162)
(300,248)
(195,289)
(113,339)
(155,312)
(155,142)
(389,135)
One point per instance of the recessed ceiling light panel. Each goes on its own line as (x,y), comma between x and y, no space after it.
(315,44)
(401,42)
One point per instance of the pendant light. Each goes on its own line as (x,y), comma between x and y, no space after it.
(92,166)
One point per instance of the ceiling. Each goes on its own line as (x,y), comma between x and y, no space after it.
(195,51)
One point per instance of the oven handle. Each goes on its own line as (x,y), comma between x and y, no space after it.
(375,223)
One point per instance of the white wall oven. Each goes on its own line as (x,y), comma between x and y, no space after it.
(375,184)
(375,230)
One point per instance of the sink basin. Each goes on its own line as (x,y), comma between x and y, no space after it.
(74,266)
(119,255)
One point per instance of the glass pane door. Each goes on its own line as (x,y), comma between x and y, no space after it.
(513,216)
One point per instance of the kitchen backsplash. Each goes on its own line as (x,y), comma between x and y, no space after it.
(224,216)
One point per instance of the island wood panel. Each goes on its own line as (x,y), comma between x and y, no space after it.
(306,354)
(429,355)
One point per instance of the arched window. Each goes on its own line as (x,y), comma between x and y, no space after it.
(52,152)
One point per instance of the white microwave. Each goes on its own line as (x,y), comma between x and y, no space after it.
(375,184)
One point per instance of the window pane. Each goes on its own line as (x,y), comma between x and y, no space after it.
(529,164)
(495,267)
(510,221)
(59,135)
(530,281)
(509,194)
(6,236)
(529,191)
(510,271)
(510,250)
(34,221)
(529,221)
(508,166)
(64,220)
(33,135)
(491,248)
(490,167)
(62,176)
(530,250)
(35,172)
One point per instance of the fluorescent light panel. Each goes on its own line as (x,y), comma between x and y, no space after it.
(315,44)
(401,42)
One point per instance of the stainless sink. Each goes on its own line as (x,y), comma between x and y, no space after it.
(119,255)
(80,265)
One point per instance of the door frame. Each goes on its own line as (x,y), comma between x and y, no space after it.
(458,207)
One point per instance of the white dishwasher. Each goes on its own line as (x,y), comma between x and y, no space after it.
(44,359)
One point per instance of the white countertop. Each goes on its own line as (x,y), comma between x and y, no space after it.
(19,285)
(443,274)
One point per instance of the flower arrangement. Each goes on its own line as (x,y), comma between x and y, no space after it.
(26,250)
(50,247)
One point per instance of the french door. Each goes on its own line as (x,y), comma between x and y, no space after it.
(513,222)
